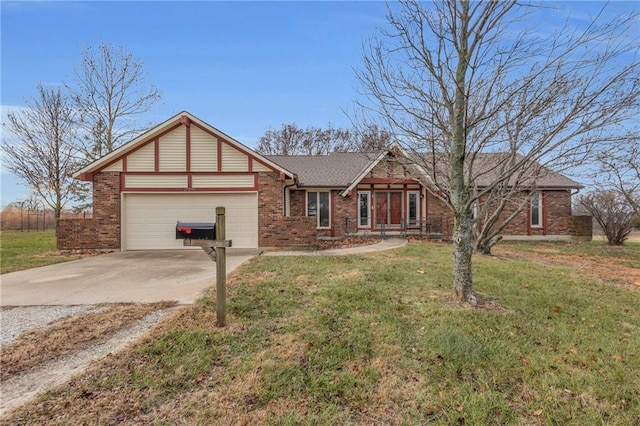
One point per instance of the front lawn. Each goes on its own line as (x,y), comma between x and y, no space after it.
(23,250)
(375,340)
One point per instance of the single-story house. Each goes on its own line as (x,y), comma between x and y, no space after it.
(184,168)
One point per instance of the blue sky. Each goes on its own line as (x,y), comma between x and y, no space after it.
(241,66)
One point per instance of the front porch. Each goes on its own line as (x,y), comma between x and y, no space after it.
(431,227)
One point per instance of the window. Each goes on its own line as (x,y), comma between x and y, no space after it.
(536,210)
(364,207)
(414,208)
(318,206)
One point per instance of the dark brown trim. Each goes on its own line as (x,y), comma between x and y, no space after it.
(392,181)
(529,217)
(188,146)
(156,158)
(543,212)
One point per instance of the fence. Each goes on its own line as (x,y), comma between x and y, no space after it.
(33,219)
(432,226)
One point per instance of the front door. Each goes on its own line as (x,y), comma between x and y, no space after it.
(388,208)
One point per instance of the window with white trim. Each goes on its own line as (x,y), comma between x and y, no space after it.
(364,207)
(535,211)
(318,206)
(414,207)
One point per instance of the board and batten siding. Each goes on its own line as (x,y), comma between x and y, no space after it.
(259,167)
(115,167)
(223,181)
(173,153)
(188,158)
(155,181)
(142,160)
(234,160)
(204,151)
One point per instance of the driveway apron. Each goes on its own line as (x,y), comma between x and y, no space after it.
(134,276)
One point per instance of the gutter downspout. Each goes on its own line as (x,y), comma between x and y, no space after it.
(284,197)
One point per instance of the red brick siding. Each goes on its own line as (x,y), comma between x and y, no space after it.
(556,217)
(582,226)
(103,230)
(274,229)
(297,202)
(344,208)
(556,214)
(436,208)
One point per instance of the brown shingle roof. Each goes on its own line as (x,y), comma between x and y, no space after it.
(339,169)
(336,170)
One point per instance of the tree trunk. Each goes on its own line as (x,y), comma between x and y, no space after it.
(462,250)
(463,225)
(484,244)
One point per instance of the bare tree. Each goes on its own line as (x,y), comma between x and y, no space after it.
(620,169)
(286,141)
(454,80)
(293,140)
(109,90)
(44,153)
(612,212)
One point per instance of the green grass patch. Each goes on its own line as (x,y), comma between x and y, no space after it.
(376,339)
(23,250)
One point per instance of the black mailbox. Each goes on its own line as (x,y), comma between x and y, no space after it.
(196,231)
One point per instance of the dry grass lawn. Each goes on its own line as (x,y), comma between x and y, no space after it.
(375,340)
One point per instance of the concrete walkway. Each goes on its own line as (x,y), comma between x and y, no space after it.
(387,244)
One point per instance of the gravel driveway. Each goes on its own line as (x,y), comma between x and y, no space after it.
(38,297)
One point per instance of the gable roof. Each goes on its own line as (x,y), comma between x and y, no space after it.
(489,167)
(183,117)
(344,170)
(336,170)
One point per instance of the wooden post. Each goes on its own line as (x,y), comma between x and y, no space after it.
(221,268)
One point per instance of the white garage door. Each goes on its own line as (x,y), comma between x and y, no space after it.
(149,220)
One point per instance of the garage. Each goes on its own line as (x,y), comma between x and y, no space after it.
(149,219)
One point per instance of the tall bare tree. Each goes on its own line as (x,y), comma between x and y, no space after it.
(454,80)
(44,152)
(293,140)
(110,90)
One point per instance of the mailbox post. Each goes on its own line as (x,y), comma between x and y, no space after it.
(211,238)
(221,268)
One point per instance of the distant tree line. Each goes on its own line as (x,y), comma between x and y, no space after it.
(291,139)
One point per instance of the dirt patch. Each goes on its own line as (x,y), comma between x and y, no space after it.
(46,357)
(606,270)
(70,334)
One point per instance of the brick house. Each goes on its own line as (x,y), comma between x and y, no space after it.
(182,169)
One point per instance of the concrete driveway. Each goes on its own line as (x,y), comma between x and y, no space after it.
(135,276)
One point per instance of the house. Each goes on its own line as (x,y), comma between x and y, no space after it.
(184,168)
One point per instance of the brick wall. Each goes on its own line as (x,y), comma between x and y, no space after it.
(582,227)
(297,202)
(343,208)
(101,232)
(557,216)
(436,208)
(274,229)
